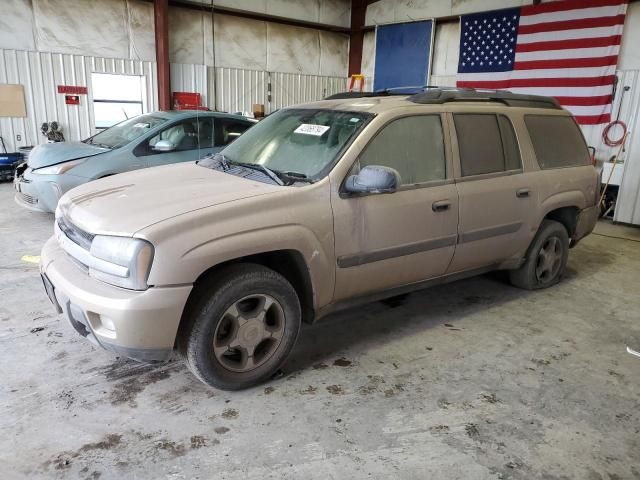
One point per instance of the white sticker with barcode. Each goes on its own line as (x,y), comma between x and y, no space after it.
(310,129)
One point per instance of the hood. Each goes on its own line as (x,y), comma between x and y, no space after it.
(126,203)
(53,153)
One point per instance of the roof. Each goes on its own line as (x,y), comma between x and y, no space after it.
(173,114)
(379,101)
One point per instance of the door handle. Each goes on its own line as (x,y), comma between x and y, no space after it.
(440,206)
(523,192)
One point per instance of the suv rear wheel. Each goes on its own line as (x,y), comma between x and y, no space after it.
(241,327)
(546,258)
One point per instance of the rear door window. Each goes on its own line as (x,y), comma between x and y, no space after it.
(487,144)
(557,141)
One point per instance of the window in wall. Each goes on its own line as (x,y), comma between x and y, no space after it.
(487,144)
(116,98)
(557,141)
(413,146)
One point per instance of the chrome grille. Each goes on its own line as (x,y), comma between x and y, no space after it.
(75,234)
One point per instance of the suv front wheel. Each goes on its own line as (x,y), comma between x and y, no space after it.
(241,327)
(546,258)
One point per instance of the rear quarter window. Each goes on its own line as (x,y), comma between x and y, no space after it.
(557,141)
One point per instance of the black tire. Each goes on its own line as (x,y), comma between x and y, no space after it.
(551,235)
(209,308)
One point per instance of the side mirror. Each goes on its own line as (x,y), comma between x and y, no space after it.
(373,179)
(164,146)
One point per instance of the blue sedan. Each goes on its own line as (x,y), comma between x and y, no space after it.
(148,140)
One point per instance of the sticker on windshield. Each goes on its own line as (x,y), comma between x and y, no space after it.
(310,129)
(141,125)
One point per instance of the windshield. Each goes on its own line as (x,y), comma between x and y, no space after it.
(124,132)
(302,142)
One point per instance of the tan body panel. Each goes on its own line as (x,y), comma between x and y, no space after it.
(298,219)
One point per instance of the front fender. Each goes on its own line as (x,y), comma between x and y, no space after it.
(188,245)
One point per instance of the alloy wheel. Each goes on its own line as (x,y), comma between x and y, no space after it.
(249,332)
(549,260)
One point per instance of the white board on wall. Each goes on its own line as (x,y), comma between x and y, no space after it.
(12,101)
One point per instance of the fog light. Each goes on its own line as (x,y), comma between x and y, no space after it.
(107,323)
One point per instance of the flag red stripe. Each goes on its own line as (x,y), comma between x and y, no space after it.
(568,5)
(569,44)
(585,101)
(567,63)
(571,24)
(593,119)
(538,82)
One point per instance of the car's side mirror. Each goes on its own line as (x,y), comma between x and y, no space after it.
(373,179)
(164,146)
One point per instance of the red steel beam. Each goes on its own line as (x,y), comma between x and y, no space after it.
(161,21)
(356,36)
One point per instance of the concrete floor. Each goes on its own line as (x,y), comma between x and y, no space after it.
(471,380)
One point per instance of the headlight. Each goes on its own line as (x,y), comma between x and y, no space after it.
(122,261)
(59,168)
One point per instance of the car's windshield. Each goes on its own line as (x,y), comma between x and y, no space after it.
(124,132)
(303,142)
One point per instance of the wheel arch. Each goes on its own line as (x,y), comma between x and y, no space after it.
(567,216)
(287,262)
(563,208)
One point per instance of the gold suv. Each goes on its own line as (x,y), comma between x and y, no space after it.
(317,207)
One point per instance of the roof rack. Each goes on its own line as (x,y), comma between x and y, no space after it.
(406,90)
(510,99)
(343,95)
(438,95)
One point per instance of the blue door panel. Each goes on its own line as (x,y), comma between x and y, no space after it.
(402,55)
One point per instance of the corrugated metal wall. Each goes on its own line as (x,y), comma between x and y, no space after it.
(237,89)
(40,73)
(291,88)
(224,89)
(186,77)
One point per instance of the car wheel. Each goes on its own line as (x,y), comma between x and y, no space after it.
(241,327)
(546,258)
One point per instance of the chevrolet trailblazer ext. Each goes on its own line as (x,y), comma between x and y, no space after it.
(320,206)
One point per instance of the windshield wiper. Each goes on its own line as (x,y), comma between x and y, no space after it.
(226,164)
(256,166)
(294,176)
(277,176)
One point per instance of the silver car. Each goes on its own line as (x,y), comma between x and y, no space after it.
(148,140)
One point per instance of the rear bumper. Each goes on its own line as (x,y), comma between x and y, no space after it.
(137,324)
(587,220)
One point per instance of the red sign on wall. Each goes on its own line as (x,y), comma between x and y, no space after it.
(71,89)
(72,99)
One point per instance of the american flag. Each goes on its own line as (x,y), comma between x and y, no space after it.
(564,49)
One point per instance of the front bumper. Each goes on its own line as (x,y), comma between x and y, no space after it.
(139,325)
(41,192)
(37,195)
(587,220)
